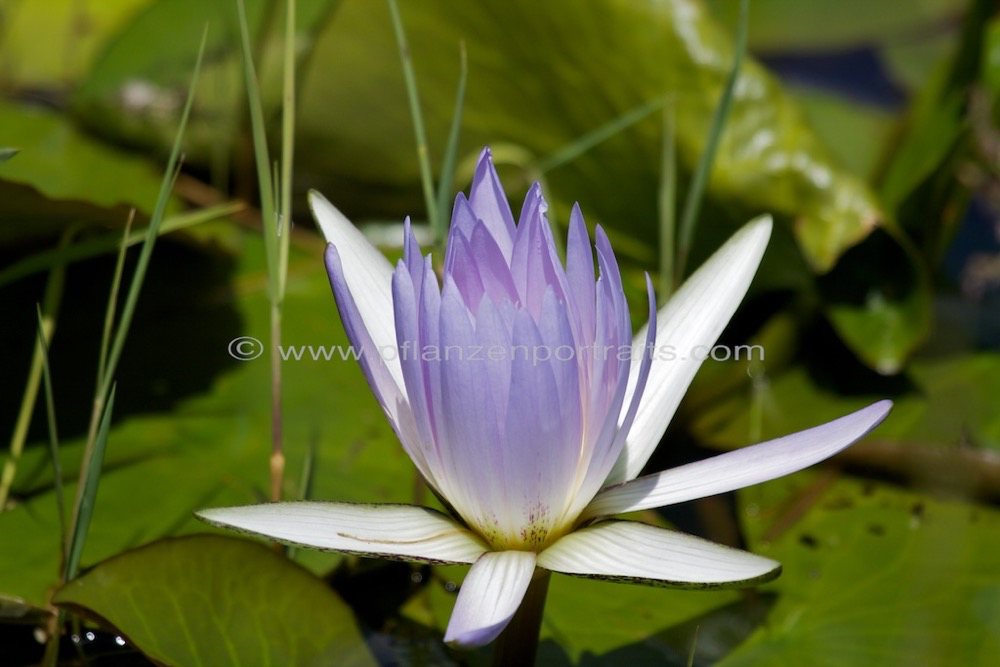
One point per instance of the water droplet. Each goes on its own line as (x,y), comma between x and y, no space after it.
(90,636)
(75,639)
(450,586)
(120,640)
(416,577)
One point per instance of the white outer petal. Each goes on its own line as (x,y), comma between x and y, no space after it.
(695,316)
(369,277)
(637,552)
(489,597)
(403,532)
(741,467)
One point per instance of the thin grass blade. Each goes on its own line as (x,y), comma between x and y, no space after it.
(668,213)
(446,185)
(305,485)
(100,411)
(287,144)
(584,143)
(169,177)
(694,647)
(438,225)
(696,190)
(50,416)
(88,491)
(46,260)
(109,312)
(50,303)
(262,160)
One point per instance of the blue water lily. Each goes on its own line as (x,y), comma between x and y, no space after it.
(516,387)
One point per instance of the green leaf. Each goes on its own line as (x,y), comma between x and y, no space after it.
(945,402)
(213,600)
(646,51)
(873,575)
(143,70)
(63,174)
(878,299)
(49,44)
(817,25)
(856,133)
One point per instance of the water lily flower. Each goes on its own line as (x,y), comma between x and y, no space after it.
(508,387)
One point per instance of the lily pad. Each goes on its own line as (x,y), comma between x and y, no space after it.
(62,175)
(878,298)
(873,575)
(813,25)
(138,80)
(47,45)
(769,159)
(213,600)
(945,403)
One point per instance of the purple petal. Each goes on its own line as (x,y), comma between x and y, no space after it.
(493,269)
(428,325)
(463,218)
(580,274)
(493,335)
(381,381)
(473,454)
(412,256)
(463,267)
(540,457)
(408,344)
(647,359)
(559,346)
(531,266)
(490,203)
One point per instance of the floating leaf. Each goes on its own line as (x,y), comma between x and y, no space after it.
(815,25)
(214,600)
(873,575)
(137,81)
(768,159)
(944,403)
(48,44)
(878,300)
(62,175)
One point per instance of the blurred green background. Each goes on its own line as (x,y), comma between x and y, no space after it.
(868,129)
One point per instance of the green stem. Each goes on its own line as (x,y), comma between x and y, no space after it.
(518,643)
(277,451)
